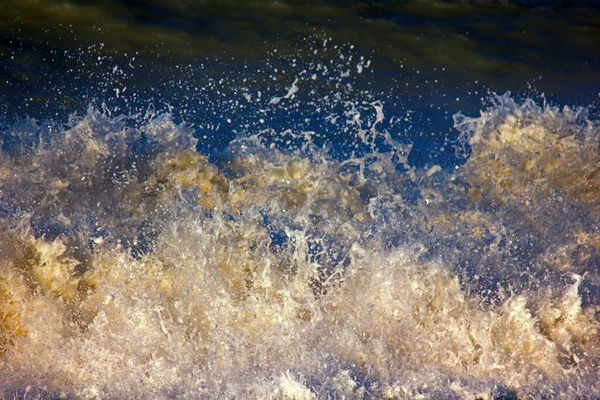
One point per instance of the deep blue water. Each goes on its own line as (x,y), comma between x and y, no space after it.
(429,58)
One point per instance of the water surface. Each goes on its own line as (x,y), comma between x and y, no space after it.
(299,199)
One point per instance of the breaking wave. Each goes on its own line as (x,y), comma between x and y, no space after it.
(134,265)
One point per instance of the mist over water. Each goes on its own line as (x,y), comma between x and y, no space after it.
(189,213)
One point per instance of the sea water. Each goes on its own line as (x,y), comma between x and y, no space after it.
(304,256)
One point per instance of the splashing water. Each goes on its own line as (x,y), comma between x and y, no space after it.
(291,264)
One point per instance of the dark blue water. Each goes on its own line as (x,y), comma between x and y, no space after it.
(431,58)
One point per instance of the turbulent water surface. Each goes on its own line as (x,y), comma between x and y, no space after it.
(299,200)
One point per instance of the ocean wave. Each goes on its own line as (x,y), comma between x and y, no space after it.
(132,265)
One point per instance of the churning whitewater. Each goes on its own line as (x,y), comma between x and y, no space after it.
(132,265)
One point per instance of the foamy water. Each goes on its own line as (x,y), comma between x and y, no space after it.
(292,265)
